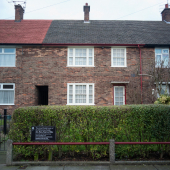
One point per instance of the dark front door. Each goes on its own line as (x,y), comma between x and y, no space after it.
(42,95)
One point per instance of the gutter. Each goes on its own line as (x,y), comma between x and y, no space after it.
(71,44)
(89,44)
(140,73)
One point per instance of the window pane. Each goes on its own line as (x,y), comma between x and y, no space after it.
(7,86)
(70,98)
(118,57)
(165,60)
(0,50)
(7,60)
(158,51)
(162,57)
(80,61)
(158,60)
(9,50)
(90,61)
(118,95)
(80,94)
(70,61)
(165,51)
(78,57)
(122,51)
(90,52)
(6,97)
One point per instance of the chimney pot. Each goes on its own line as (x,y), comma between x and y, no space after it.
(19,11)
(166,5)
(86,13)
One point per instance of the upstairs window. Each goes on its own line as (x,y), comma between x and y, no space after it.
(80,94)
(7,93)
(7,57)
(161,57)
(118,57)
(81,57)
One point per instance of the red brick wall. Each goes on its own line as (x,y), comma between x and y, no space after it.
(18,13)
(166,15)
(48,66)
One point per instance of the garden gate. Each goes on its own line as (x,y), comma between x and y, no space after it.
(4,129)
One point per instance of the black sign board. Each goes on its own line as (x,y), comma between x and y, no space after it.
(43,133)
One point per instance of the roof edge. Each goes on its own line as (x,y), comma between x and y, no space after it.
(73,44)
(89,44)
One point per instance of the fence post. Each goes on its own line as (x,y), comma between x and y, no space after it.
(9,152)
(112,151)
(5,118)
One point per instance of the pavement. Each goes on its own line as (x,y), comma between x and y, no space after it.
(108,167)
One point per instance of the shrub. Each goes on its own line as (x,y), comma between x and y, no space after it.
(94,124)
(163,99)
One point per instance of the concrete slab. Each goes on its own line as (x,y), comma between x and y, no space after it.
(4,167)
(162,167)
(37,168)
(86,168)
(2,157)
(56,168)
(1,166)
(132,167)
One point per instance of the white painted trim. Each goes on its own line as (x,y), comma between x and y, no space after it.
(123,94)
(8,90)
(164,48)
(119,82)
(9,53)
(87,57)
(125,56)
(87,93)
(166,22)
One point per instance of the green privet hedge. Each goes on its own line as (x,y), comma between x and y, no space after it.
(130,123)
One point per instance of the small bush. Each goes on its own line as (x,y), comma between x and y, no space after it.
(163,99)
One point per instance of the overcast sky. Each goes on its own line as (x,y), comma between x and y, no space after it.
(99,9)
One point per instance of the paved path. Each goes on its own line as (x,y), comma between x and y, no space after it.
(112,167)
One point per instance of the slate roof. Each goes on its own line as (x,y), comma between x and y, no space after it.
(78,32)
(108,32)
(24,32)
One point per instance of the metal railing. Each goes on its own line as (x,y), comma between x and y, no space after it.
(4,129)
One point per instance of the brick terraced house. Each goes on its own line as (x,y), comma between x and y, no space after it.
(82,62)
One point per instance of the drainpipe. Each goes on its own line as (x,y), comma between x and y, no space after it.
(140,73)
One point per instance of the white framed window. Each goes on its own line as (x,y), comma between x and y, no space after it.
(118,57)
(7,57)
(7,93)
(119,95)
(80,57)
(161,57)
(80,93)
(164,89)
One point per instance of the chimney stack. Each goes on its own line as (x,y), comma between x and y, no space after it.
(86,13)
(166,13)
(19,12)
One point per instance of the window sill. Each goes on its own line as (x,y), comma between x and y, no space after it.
(7,104)
(7,66)
(118,66)
(80,66)
(81,104)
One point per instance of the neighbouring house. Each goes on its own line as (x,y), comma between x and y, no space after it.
(82,62)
